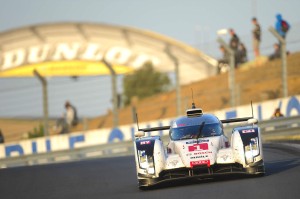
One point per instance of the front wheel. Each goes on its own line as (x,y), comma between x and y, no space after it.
(258,170)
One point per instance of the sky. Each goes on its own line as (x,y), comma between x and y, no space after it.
(194,22)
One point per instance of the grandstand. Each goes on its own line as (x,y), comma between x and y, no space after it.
(256,83)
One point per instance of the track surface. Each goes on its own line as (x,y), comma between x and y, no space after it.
(116,178)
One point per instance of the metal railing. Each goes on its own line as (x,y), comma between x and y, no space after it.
(97,151)
(272,130)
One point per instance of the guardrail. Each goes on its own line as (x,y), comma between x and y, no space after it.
(272,130)
(97,151)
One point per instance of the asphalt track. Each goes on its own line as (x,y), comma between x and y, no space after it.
(116,178)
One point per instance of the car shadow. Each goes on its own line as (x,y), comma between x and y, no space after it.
(195,181)
(278,166)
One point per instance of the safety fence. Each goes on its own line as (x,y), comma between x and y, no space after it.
(279,129)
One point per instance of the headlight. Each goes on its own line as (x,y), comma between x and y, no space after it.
(146,162)
(252,150)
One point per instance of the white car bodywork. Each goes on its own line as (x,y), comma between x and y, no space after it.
(201,156)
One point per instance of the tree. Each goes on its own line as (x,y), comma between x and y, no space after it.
(144,82)
(37,132)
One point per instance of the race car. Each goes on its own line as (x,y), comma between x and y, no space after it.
(198,148)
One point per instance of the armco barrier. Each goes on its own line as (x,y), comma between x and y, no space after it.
(274,129)
(105,150)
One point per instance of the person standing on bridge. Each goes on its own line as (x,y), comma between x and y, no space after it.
(282,26)
(234,40)
(234,44)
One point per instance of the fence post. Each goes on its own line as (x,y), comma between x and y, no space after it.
(283,60)
(114,93)
(231,77)
(45,100)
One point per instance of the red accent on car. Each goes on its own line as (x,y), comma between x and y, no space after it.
(145,142)
(198,147)
(200,162)
(248,131)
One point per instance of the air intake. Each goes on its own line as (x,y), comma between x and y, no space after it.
(194,112)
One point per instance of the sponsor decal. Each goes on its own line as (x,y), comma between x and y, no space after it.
(74,51)
(145,142)
(198,147)
(202,152)
(199,156)
(248,131)
(181,125)
(199,153)
(174,163)
(200,162)
(195,141)
(224,157)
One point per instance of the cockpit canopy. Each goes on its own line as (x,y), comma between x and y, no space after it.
(190,128)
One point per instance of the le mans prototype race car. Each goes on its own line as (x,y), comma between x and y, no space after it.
(198,149)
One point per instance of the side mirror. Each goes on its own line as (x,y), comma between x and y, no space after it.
(252,121)
(139,134)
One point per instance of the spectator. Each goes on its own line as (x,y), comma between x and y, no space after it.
(276,53)
(281,26)
(234,44)
(242,54)
(256,37)
(277,113)
(71,114)
(1,137)
(68,120)
(234,40)
(61,126)
(223,63)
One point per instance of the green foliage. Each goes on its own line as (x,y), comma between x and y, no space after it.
(144,82)
(37,132)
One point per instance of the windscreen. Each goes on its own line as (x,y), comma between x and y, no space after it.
(191,132)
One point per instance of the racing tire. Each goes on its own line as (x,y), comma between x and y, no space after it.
(257,170)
